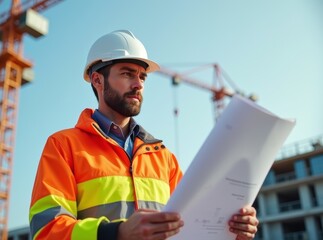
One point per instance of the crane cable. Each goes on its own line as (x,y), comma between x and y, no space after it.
(176,113)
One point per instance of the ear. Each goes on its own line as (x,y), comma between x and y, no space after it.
(97,80)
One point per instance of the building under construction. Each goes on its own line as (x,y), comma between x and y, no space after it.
(290,202)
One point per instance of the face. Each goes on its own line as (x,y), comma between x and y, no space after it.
(123,88)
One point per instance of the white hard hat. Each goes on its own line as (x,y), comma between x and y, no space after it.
(118,45)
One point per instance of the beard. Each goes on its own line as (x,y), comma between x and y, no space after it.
(119,102)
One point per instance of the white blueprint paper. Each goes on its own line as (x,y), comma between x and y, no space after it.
(228,170)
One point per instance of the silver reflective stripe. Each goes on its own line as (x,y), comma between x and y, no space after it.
(118,210)
(39,220)
(151,205)
(113,211)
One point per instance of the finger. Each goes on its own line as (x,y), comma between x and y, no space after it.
(245,237)
(165,235)
(243,229)
(248,210)
(161,217)
(244,234)
(146,210)
(169,226)
(169,229)
(245,219)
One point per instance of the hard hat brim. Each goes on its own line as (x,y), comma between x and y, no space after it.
(152,66)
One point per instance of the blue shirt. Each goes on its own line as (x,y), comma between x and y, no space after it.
(113,131)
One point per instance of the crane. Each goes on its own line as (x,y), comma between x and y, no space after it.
(15,71)
(218,90)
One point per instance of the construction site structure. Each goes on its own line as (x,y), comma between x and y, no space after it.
(290,204)
(223,87)
(22,18)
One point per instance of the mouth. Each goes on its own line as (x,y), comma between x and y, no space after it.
(134,97)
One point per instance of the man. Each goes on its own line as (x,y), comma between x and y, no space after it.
(107,178)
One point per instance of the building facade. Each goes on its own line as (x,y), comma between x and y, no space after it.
(19,234)
(290,202)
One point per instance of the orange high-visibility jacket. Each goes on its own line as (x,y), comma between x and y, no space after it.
(85,178)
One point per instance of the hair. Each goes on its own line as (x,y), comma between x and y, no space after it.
(105,71)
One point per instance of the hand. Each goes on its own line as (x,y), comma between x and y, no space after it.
(244,224)
(150,225)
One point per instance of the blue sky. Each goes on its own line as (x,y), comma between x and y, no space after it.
(271,48)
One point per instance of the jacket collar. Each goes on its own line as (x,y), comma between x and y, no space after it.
(86,123)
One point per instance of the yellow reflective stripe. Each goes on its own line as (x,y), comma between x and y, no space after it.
(87,228)
(51,201)
(104,190)
(35,236)
(152,190)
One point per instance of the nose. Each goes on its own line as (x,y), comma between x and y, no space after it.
(137,83)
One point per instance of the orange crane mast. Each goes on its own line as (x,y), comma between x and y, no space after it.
(13,74)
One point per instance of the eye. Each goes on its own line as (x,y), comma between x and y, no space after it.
(128,74)
(143,78)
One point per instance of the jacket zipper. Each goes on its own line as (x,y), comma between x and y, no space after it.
(136,202)
(134,188)
(130,168)
(132,177)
